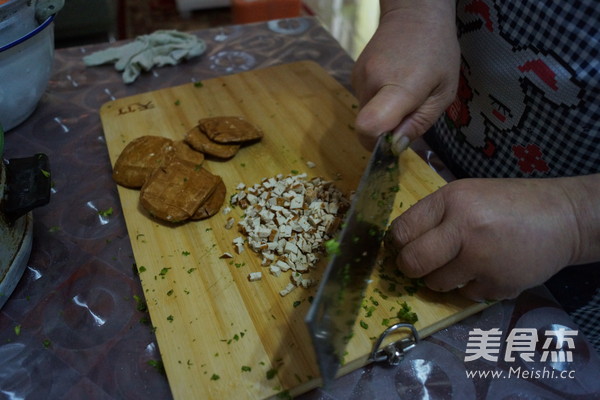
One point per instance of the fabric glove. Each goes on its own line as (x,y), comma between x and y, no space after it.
(163,47)
(46,8)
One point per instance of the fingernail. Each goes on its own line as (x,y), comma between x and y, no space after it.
(399,144)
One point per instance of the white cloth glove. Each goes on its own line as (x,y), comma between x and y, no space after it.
(164,47)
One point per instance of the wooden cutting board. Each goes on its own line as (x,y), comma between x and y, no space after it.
(221,336)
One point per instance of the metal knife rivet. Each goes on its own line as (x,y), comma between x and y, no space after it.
(394,352)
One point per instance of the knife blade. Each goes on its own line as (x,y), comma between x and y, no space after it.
(332,314)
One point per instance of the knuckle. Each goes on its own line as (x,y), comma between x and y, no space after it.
(399,231)
(439,283)
(374,65)
(435,284)
(490,292)
(473,292)
(410,262)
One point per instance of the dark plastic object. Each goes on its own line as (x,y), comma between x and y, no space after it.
(27,185)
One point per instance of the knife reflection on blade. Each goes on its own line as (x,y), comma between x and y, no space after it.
(332,315)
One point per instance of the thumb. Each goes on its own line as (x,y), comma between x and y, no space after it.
(419,121)
(387,110)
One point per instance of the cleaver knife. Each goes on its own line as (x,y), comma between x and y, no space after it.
(333,312)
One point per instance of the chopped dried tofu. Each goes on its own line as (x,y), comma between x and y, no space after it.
(239,244)
(286,221)
(229,223)
(285,291)
(254,276)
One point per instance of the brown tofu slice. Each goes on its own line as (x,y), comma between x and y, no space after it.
(200,142)
(230,129)
(212,206)
(183,151)
(174,192)
(139,158)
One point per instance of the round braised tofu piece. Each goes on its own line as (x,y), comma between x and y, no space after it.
(174,192)
(183,151)
(174,186)
(199,141)
(139,158)
(213,204)
(230,129)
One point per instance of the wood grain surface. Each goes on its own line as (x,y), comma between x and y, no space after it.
(221,336)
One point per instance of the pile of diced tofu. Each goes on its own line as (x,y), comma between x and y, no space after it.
(286,221)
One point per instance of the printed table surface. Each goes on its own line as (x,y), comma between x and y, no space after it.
(74,326)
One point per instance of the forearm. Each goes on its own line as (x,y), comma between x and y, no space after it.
(445,8)
(438,15)
(583,195)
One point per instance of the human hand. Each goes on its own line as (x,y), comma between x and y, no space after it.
(491,238)
(408,73)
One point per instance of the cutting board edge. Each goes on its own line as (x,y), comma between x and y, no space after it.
(423,334)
